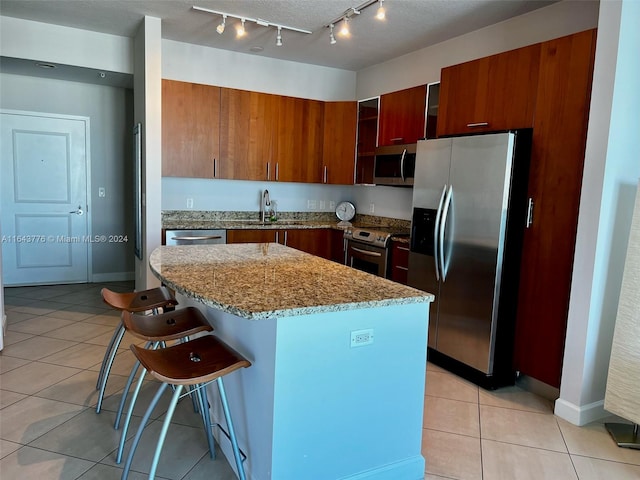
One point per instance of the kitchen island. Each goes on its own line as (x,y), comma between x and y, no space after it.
(336,386)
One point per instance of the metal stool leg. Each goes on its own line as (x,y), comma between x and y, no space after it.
(106,354)
(206,418)
(232,433)
(163,432)
(127,419)
(125,392)
(107,371)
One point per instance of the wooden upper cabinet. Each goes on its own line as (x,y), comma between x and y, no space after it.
(339,142)
(298,144)
(490,94)
(247,133)
(401,116)
(190,129)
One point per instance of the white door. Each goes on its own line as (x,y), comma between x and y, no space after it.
(43,162)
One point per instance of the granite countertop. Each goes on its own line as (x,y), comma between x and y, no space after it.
(263,280)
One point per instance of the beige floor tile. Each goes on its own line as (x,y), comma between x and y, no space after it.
(529,429)
(503,461)
(447,385)
(594,441)
(35,376)
(452,416)
(11,338)
(82,355)
(39,325)
(105,338)
(435,368)
(9,363)
(107,472)
(74,313)
(106,319)
(594,469)
(35,348)
(6,447)
(429,476)
(122,364)
(451,455)
(145,397)
(88,436)
(207,469)
(174,462)
(9,398)
(16,317)
(80,389)
(80,332)
(26,420)
(516,398)
(36,308)
(31,463)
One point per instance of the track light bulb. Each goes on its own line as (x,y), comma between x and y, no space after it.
(332,38)
(240,32)
(381,14)
(220,28)
(279,37)
(344,31)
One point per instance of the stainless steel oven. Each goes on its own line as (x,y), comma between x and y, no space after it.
(368,248)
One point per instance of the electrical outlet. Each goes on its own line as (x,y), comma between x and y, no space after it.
(372,208)
(311,204)
(322,205)
(101,192)
(189,202)
(360,338)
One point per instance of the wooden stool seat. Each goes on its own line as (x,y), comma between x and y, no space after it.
(166,326)
(146,300)
(191,364)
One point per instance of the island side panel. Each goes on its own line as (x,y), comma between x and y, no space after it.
(350,412)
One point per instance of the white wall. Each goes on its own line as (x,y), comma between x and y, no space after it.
(147,80)
(423,66)
(611,172)
(212,66)
(109,110)
(70,46)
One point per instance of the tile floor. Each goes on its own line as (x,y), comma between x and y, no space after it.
(54,345)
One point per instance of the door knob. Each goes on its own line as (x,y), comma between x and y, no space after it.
(79,211)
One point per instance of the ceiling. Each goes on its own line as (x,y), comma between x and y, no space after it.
(409,24)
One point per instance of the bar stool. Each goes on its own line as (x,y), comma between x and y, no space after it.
(157,330)
(193,364)
(152,299)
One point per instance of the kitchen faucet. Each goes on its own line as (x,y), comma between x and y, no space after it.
(266,202)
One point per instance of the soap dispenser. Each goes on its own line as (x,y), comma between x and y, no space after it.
(273,211)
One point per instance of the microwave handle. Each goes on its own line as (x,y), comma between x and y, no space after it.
(404,152)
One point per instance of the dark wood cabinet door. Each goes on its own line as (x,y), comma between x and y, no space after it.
(247,131)
(559,139)
(402,116)
(337,246)
(339,142)
(190,129)
(367,139)
(298,147)
(399,262)
(253,236)
(489,94)
(315,241)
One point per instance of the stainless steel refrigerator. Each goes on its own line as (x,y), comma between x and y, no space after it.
(469,214)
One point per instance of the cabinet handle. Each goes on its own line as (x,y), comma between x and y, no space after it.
(529,221)
(277,236)
(324,175)
(285,237)
(404,249)
(399,139)
(402,268)
(277,171)
(479,124)
(268,171)
(214,168)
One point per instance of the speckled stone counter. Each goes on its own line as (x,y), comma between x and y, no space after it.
(259,281)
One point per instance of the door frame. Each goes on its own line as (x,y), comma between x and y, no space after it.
(87,147)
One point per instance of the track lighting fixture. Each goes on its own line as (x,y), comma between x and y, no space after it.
(332,38)
(344,31)
(381,14)
(220,28)
(279,37)
(240,31)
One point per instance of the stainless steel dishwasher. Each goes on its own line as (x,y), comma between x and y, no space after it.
(195,237)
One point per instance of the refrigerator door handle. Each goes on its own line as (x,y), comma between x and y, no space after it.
(443,222)
(436,230)
(404,152)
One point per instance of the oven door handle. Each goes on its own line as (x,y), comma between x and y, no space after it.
(366,252)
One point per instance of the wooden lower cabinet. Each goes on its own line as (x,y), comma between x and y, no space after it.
(316,241)
(338,250)
(399,264)
(555,179)
(252,236)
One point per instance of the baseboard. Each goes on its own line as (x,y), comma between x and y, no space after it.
(580,415)
(113,277)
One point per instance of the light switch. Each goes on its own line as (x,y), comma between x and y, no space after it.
(101,192)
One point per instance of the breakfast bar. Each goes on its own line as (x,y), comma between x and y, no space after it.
(337,381)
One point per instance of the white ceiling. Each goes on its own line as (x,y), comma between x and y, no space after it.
(410,24)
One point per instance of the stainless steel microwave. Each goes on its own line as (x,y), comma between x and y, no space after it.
(394,165)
